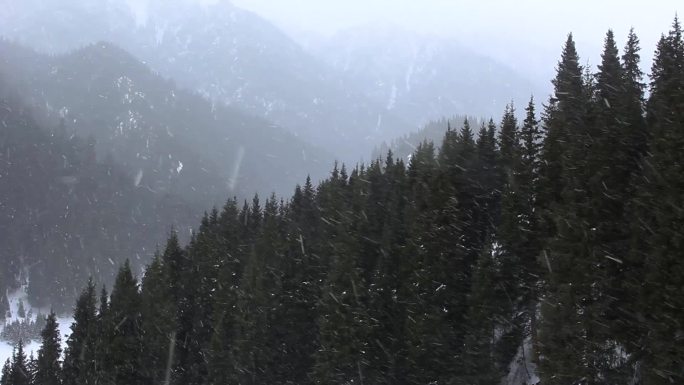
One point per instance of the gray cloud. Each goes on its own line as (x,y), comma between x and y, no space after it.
(523,32)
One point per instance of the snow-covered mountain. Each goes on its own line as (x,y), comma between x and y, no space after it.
(226,53)
(169,139)
(421,78)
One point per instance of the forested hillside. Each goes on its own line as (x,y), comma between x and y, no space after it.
(64,215)
(102,157)
(225,53)
(420,78)
(404,146)
(176,140)
(562,234)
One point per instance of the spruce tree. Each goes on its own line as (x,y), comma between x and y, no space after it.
(122,331)
(6,373)
(481,361)
(157,320)
(48,368)
(564,206)
(527,183)
(19,372)
(229,275)
(658,233)
(79,355)
(250,353)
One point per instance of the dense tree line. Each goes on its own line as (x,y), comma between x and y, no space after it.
(562,232)
(100,156)
(65,215)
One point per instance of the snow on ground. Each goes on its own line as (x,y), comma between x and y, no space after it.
(522,370)
(20,294)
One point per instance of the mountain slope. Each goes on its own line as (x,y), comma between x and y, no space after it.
(226,53)
(421,78)
(170,140)
(64,216)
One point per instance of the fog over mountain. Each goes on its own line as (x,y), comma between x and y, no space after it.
(341,192)
(421,77)
(522,34)
(368,84)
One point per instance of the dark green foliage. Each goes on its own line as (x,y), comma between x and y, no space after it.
(6,370)
(17,371)
(102,168)
(64,212)
(80,356)
(656,259)
(157,320)
(120,341)
(48,366)
(446,270)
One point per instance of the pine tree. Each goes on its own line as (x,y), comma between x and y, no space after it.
(229,275)
(122,331)
(19,373)
(564,206)
(157,320)
(658,233)
(198,313)
(250,354)
(6,373)
(79,355)
(507,292)
(342,316)
(48,368)
(636,132)
(32,365)
(527,183)
(344,323)
(177,265)
(102,338)
(481,363)
(446,247)
(563,115)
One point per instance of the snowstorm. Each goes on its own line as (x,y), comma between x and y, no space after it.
(357,192)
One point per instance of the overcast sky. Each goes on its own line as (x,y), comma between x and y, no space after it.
(521,30)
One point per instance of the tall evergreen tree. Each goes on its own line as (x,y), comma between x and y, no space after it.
(563,194)
(229,276)
(527,184)
(48,368)
(344,322)
(79,355)
(157,320)
(122,332)
(659,217)
(6,373)
(19,373)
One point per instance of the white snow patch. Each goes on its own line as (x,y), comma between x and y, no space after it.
(522,370)
(13,298)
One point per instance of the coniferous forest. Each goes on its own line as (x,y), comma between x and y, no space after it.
(558,236)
